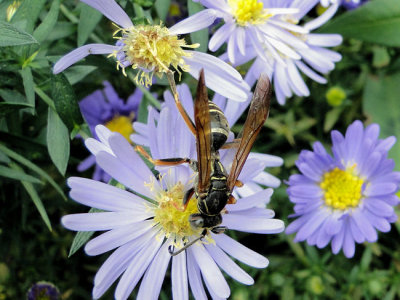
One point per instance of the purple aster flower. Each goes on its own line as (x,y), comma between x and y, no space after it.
(155,49)
(141,231)
(107,108)
(259,25)
(347,197)
(286,72)
(43,290)
(253,173)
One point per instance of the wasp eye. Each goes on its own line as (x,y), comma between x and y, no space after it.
(196,220)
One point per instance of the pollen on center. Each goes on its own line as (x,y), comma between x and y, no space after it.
(152,50)
(342,188)
(248,12)
(169,213)
(121,124)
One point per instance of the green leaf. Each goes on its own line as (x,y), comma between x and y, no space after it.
(17,174)
(77,73)
(57,141)
(81,237)
(22,160)
(12,96)
(65,102)
(376,22)
(6,107)
(29,85)
(89,19)
(35,198)
(28,13)
(162,8)
(12,36)
(380,104)
(200,36)
(43,30)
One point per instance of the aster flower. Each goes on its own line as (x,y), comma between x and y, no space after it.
(144,135)
(347,197)
(156,49)
(43,290)
(259,24)
(107,108)
(141,231)
(286,72)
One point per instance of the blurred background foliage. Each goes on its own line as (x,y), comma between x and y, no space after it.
(40,118)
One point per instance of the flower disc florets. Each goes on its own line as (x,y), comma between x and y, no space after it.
(152,49)
(169,214)
(248,12)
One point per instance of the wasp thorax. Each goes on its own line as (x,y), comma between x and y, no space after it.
(152,50)
(170,215)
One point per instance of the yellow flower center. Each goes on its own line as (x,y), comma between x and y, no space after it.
(342,188)
(170,215)
(249,12)
(121,124)
(152,50)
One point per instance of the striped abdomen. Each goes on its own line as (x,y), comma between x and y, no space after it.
(219,126)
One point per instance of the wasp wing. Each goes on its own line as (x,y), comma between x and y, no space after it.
(258,113)
(203,135)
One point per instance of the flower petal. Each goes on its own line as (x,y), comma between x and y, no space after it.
(112,11)
(194,23)
(81,52)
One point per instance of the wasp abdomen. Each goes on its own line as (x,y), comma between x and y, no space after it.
(219,126)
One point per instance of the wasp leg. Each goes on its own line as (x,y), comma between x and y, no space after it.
(187,197)
(172,248)
(218,229)
(231,200)
(185,116)
(163,161)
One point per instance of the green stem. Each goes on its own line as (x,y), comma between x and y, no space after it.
(45,98)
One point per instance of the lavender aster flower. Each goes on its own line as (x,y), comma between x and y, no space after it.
(107,108)
(285,73)
(155,49)
(141,231)
(259,24)
(43,290)
(347,197)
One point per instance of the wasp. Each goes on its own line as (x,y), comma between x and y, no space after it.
(213,186)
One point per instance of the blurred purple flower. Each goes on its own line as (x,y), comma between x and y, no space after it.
(107,108)
(141,231)
(43,290)
(155,49)
(347,197)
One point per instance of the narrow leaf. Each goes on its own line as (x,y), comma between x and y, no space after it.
(28,13)
(65,102)
(380,104)
(57,141)
(35,198)
(22,160)
(6,107)
(12,36)
(376,22)
(200,36)
(29,85)
(77,73)
(44,29)
(17,174)
(88,21)
(81,237)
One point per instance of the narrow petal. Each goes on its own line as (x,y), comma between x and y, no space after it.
(179,277)
(220,36)
(227,264)
(194,23)
(112,11)
(241,222)
(81,52)
(196,284)
(153,278)
(240,252)
(97,221)
(211,273)
(136,268)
